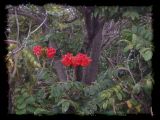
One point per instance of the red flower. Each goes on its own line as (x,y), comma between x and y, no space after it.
(78,60)
(37,50)
(67,59)
(85,60)
(51,52)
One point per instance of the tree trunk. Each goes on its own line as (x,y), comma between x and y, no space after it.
(61,72)
(90,73)
(92,45)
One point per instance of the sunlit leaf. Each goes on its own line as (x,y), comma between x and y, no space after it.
(129,104)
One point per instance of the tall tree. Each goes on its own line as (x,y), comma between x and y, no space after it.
(94,41)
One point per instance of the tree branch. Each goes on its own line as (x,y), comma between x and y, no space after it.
(20,11)
(17,23)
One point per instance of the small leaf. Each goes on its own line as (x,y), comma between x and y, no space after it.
(20,100)
(147,55)
(137,88)
(132,15)
(138,108)
(134,39)
(42,38)
(149,83)
(21,106)
(39,111)
(60,102)
(138,46)
(119,96)
(65,106)
(25,95)
(30,100)
(105,105)
(129,104)
(127,48)
(142,50)
(103,96)
(133,102)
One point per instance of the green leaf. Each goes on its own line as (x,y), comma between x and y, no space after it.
(21,106)
(56,91)
(138,46)
(147,55)
(137,88)
(25,95)
(65,106)
(74,104)
(30,109)
(142,50)
(149,83)
(39,111)
(134,39)
(30,100)
(19,112)
(134,102)
(42,38)
(134,29)
(105,105)
(103,96)
(119,96)
(127,48)
(20,99)
(60,102)
(133,15)
(23,90)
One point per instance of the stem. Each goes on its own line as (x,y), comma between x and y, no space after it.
(38,59)
(139,67)
(74,73)
(44,63)
(39,26)
(114,108)
(52,61)
(17,23)
(129,68)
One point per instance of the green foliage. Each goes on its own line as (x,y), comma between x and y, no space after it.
(38,90)
(131,14)
(23,102)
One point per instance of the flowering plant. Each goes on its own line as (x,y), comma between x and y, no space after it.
(78,60)
(37,50)
(51,52)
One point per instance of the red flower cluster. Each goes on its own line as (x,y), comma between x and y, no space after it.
(67,59)
(37,50)
(51,52)
(78,60)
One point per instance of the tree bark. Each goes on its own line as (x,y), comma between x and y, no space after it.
(61,72)
(91,45)
(90,73)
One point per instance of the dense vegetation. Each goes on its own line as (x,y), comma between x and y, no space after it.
(117,40)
